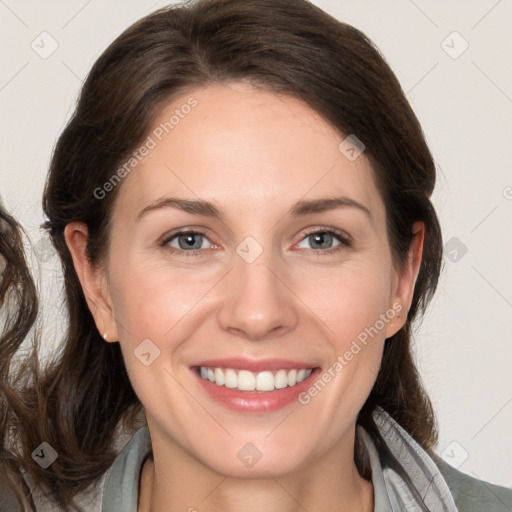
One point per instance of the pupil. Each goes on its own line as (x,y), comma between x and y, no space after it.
(322,237)
(189,241)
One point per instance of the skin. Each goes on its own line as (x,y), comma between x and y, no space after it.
(253,154)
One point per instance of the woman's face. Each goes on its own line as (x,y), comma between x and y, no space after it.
(257,298)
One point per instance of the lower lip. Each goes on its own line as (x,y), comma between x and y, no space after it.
(255,401)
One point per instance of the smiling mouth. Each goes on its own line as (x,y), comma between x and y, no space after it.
(244,380)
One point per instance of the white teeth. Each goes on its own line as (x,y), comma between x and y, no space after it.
(264,381)
(245,380)
(281,379)
(219,377)
(230,378)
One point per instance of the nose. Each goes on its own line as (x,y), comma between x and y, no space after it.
(258,304)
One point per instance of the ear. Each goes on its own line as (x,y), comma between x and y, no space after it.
(93,280)
(405,280)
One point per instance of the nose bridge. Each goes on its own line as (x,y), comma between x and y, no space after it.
(257,301)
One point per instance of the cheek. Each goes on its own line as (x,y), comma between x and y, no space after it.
(150,300)
(349,300)
(149,306)
(160,305)
(353,302)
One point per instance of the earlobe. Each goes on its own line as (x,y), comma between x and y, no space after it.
(91,278)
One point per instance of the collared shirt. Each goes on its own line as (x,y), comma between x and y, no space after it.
(441,487)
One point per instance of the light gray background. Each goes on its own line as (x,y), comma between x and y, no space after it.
(465,106)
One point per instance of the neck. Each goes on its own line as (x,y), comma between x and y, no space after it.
(332,482)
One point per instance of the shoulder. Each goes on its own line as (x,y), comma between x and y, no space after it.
(473,495)
(434,479)
(120,488)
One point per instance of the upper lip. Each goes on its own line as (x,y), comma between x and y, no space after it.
(255,365)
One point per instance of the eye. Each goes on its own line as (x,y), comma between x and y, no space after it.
(189,243)
(322,241)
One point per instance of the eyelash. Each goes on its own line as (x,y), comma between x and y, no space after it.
(345,242)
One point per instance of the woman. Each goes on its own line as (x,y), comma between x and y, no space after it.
(241,206)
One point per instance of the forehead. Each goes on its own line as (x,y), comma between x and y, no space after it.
(241,147)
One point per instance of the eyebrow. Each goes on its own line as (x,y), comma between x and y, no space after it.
(207,209)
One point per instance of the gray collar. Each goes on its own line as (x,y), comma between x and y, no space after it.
(425,480)
(393,493)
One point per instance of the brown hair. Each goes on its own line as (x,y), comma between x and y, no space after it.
(284,46)
(19,307)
